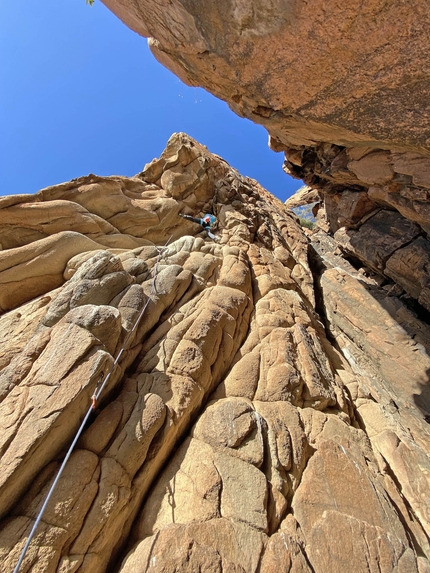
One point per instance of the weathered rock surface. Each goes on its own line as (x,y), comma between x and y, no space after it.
(266,413)
(342,88)
(289,65)
(304,196)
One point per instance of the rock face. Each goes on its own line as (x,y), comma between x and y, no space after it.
(302,69)
(265,405)
(343,90)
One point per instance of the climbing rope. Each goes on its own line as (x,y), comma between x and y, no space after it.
(92,407)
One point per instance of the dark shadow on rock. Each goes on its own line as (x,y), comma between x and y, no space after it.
(422,400)
(411,319)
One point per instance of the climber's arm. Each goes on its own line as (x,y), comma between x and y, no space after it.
(192,219)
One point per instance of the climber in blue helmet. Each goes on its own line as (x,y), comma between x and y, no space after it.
(208,222)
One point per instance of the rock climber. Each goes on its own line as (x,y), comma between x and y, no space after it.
(208,222)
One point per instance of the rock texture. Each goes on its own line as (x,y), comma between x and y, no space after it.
(343,90)
(267,412)
(291,65)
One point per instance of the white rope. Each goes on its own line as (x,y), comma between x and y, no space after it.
(87,415)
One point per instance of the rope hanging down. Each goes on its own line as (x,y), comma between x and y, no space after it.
(94,399)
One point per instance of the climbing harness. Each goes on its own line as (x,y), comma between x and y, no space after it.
(98,390)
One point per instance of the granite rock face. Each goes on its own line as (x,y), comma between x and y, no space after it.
(261,392)
(342,88)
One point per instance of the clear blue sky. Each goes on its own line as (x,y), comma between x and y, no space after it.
(81,93)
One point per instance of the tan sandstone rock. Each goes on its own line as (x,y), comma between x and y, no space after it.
(261,393)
